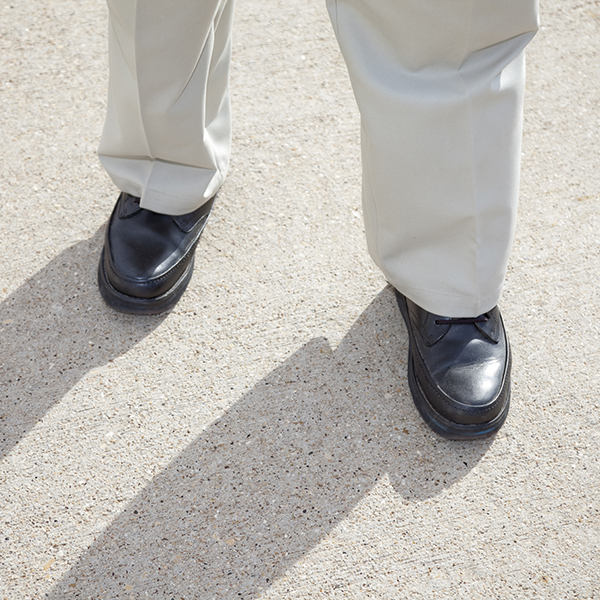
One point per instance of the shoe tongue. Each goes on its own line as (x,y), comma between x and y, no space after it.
(130,205)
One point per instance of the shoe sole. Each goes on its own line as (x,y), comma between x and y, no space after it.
(444,427)
(142,306)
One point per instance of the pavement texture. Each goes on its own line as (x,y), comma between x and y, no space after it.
(259,441)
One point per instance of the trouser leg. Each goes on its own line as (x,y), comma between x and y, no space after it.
(439,84)
(167,135)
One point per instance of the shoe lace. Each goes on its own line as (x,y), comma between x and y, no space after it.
(462,320)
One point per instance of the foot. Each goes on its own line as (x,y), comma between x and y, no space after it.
(458,371)
(148,258)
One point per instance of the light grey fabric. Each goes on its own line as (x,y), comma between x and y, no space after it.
(439,84)
(167,135)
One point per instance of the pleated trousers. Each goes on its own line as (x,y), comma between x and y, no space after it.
(439,85)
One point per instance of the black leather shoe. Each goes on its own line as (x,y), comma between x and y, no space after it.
(148,258)
(458,371)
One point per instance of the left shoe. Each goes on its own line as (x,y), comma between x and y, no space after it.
(458,371)
(148,258)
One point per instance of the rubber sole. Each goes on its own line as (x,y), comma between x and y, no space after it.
(444,427)
(142,306)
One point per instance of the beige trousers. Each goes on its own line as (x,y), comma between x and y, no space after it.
(167,134)
(439,85)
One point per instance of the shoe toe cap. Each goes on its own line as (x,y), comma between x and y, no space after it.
(472,393)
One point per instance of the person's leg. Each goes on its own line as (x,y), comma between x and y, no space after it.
(167,134)
(166,144)
(439,84)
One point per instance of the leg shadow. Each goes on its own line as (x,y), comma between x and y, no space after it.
(53,330)
(265,483)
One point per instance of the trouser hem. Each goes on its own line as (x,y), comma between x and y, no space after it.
(163,187)
(449,305)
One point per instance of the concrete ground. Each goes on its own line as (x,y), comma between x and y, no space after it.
(259,441)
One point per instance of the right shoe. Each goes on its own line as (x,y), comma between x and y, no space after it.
(148,258)
(458,371)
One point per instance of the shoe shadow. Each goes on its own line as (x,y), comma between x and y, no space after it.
(262,485)
(53,330)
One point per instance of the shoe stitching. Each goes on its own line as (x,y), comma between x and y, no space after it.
(179,263)
(447,401)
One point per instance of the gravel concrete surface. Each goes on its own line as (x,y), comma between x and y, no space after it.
(259,441)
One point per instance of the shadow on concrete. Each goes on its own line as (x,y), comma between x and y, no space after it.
(266,482)
(53,330)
